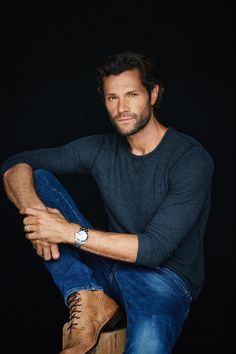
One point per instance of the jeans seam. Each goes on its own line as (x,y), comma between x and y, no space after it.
(68,205)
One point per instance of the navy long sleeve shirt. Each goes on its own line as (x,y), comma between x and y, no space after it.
(163,196)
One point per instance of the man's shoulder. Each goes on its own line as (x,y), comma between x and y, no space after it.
(180,139)
(182,144)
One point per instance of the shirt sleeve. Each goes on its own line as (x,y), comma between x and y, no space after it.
(75,157)
(189,186)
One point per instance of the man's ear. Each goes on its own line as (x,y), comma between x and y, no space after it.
(154,94)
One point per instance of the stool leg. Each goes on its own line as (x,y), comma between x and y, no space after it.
(112,342)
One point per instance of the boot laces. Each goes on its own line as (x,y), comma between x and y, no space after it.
(75,304)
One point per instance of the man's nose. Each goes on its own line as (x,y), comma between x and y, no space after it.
(122,106)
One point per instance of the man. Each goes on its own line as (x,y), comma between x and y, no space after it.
(156,186)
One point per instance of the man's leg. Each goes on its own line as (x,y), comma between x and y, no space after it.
(156,305)
(90,307)
(69,273)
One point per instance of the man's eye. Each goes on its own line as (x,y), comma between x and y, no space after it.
(111,98)
(133,94)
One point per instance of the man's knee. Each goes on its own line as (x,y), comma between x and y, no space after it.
(44,179)
(46,185)
(41,174)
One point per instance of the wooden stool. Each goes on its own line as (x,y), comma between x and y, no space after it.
(111,341)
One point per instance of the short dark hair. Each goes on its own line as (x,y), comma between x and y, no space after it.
(127,60)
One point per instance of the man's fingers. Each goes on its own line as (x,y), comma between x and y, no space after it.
(42,251)
(46,250)
(30,220)
(33,244)
(31,232)
(55,251)
(47,253)
(40,243)
(29,228)
(38,212)
(39,250)
(55,211)
(31,211)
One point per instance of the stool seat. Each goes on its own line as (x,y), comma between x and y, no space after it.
(111,341)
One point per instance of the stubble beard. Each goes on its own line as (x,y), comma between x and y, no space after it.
(140,122)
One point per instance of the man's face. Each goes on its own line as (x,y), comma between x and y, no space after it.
(127,101)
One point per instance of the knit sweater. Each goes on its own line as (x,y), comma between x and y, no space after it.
(163,197)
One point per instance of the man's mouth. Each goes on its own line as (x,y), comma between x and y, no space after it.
(125,118)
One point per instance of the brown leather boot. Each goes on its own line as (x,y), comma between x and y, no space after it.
(90,312)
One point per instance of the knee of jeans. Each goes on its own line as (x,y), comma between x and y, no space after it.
(41,173)
(44,178)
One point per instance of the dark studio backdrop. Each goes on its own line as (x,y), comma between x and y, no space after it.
(48,94)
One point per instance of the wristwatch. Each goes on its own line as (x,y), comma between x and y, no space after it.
(81,236)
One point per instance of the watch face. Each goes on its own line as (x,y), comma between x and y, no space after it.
(82,235)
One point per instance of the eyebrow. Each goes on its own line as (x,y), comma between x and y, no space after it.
(110,94)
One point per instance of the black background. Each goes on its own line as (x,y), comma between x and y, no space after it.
(48,97)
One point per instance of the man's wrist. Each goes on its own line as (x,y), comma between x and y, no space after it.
(81,236)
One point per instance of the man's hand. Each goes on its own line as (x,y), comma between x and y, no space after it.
(49,226)
(44,249)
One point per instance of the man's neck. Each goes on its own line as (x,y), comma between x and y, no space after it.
(147,139)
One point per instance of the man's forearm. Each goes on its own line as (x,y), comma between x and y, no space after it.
(123,247)
(52,227)
(19,187)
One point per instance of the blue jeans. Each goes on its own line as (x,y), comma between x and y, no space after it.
(156,302)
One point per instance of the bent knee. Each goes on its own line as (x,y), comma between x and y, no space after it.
(40,172)
(44,178)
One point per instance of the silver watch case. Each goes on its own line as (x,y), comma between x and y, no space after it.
(81,236)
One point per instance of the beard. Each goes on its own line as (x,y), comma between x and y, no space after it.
(139,122)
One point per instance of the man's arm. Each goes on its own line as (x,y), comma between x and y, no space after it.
(123,247)
(19,186)
(18,178)
(51,226)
